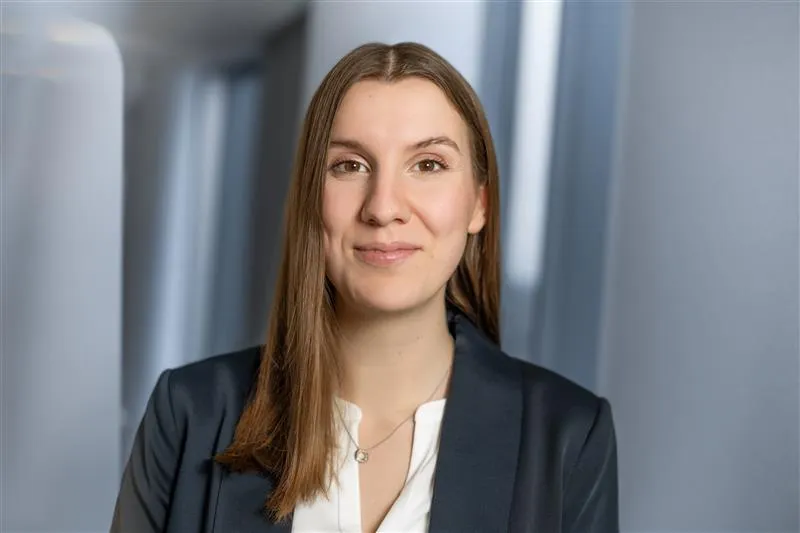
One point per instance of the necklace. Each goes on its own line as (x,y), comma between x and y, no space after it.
(361,455)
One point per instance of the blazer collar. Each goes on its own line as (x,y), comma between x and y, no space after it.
(477,461)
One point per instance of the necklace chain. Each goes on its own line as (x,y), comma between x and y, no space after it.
(362,453)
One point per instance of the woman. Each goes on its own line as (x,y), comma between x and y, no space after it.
(381,400)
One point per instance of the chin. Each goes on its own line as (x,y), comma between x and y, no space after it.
(388,298)
(387,304)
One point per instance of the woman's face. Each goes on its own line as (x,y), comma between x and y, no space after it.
(400,197)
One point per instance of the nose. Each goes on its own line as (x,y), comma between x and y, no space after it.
(385,201)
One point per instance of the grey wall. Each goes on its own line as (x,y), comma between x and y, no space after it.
(262,138)
(700,345)
(173,149)
(566,325)
(61,276)
(208,148)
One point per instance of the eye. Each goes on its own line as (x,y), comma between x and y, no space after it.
(430,165)
(350,166)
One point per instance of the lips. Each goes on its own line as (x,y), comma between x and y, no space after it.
(385,254)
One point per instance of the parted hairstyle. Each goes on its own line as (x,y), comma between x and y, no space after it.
(287,429)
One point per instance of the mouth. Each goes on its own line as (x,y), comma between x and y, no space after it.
(385,254)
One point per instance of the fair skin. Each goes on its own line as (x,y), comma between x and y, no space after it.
(400,199)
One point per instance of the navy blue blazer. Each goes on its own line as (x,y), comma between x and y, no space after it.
(522,450)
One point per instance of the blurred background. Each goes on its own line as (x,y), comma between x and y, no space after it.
(649,154)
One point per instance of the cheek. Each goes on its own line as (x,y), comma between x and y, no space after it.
(332,226)
(337,212)
(447,216)
(448,212)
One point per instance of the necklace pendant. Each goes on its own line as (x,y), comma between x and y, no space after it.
(361,456)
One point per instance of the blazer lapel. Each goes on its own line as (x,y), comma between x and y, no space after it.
(240,507)
(477,462)
(478,449)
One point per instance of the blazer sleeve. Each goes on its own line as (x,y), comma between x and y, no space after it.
(146,490)
(591,499)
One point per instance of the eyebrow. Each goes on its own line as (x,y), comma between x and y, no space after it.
(441,139)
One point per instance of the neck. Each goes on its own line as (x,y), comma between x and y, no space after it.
(392,363)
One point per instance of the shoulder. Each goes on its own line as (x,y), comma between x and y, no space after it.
(234,368)
(575,429)
(571,422)
(190,417)
(568,410)
(557,396)
(211,386)
(546,396)
(556,412)
(565,429)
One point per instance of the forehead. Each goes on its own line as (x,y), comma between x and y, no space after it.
(404,111)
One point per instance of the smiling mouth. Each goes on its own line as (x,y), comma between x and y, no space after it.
(383,255)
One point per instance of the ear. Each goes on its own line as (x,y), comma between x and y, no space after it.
(478,219)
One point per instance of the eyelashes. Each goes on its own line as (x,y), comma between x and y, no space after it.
(429,165)
(348,166)
(433,165)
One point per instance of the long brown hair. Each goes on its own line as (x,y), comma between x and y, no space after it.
(287,428)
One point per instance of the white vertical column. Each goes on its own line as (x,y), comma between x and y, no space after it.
(533,132)
(61,194)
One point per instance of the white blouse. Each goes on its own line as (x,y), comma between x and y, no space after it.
(341,512)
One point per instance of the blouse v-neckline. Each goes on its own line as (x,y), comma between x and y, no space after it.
(410,511)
